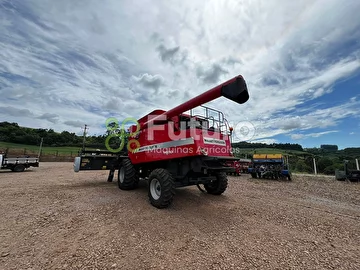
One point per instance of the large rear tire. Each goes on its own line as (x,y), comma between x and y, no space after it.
(218,186)
(127,176)
(161,188)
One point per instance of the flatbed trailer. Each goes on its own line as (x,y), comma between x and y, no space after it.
(18,164)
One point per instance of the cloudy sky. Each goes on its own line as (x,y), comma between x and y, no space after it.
(67,63)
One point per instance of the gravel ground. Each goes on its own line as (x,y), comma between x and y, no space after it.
(53,218)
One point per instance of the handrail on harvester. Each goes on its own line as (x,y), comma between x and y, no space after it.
(234,89)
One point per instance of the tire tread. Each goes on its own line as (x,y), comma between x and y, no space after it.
(167,188)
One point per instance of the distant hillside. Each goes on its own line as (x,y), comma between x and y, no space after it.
(13,133)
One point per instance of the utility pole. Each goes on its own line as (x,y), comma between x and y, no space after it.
(84,134)
(41,143)
(315,170)
(357,164)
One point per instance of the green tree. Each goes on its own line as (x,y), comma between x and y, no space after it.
(323,163)
(301,166)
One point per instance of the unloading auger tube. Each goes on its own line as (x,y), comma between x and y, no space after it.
(234,89)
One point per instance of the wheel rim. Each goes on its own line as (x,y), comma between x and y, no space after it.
(155,189)
(121,175)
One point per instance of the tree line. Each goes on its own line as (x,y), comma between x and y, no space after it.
(13,133)
(324,164)
(283,146)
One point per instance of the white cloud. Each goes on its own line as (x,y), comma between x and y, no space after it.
(297,136)
(313,135)
(83,63)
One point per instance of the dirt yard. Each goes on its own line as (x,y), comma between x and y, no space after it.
(53,218)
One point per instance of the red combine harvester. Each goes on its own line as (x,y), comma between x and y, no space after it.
(244,165)
(241,166)
(173,149)
(236,165)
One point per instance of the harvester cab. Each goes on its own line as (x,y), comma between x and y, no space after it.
(177,148)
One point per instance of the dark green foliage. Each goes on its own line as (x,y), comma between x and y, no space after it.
(323,163)
(284,146)
(13,133)
(302,167)
(330,170)
(329,147)
(350,152)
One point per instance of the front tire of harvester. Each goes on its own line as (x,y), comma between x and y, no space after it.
(218,186)
(161,188)
(127,176)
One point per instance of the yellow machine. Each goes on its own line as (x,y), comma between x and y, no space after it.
(274,166)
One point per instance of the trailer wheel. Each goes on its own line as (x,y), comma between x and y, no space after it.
(19,168)
(218,186)
(161,188)
(127,176)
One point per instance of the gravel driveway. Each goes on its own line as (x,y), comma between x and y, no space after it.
(53,218)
